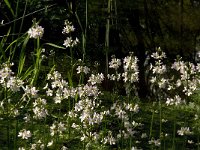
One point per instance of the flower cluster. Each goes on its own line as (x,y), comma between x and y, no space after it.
(69,42)
(174,101)
(184,131)
(159,54)
(38,145)
(7,78)
(109,139)
(36,31)
(130,74)
(96,79)
(184,78)
(30,91)
(83,69)
(68,27)
(115,63)
(39,109)
(130,69)
(121,111)
(188,76)
(57,128)
(155,142)
(24,134)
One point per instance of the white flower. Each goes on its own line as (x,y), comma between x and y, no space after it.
(75,126)
(33,146)
(159,68)
(2,22)
(64,148)
(61,127)
(162,83)
(15,112)
(130,69)
(96,79)
(31,91)
(24,134)
(40,112)
(178,83)
(5,73)
(144,135)
(69,42)
(83,69)
(50,143)
(114,77)
(155,142)
(136,108)
(14,84)
(27,118)
(53,129)
(49,92)
(135,148)
(159,54)
(68,27)
(184,131)
(36,31)
(115,63)
(153,79)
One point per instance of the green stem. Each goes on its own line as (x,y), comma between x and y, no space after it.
(16,132)
(151,127)
(160,108)
(198,142)
(8,118)
(37,62)
(174,134)
(71,54)
(107,37)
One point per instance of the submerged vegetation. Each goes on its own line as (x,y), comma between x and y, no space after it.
(60,95)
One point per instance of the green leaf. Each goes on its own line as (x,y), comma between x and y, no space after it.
(54,45)
(9,6)
(28,72)
(70,79)
(22,56)
(3,41)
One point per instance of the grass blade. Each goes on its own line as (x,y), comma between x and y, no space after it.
(54,45)
(9,6)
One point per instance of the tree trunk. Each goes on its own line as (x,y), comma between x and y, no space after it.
(140,52)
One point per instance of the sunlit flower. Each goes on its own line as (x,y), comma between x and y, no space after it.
(155,142)
(50,143)
(83,69)
(115,63)
(130,69)
(14,84)
(69,42)
(68,27)
(184,131)
(159,54)
(24,134)
(64,148)
(96,79)
(36,31)
(114,77)
(31,91)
